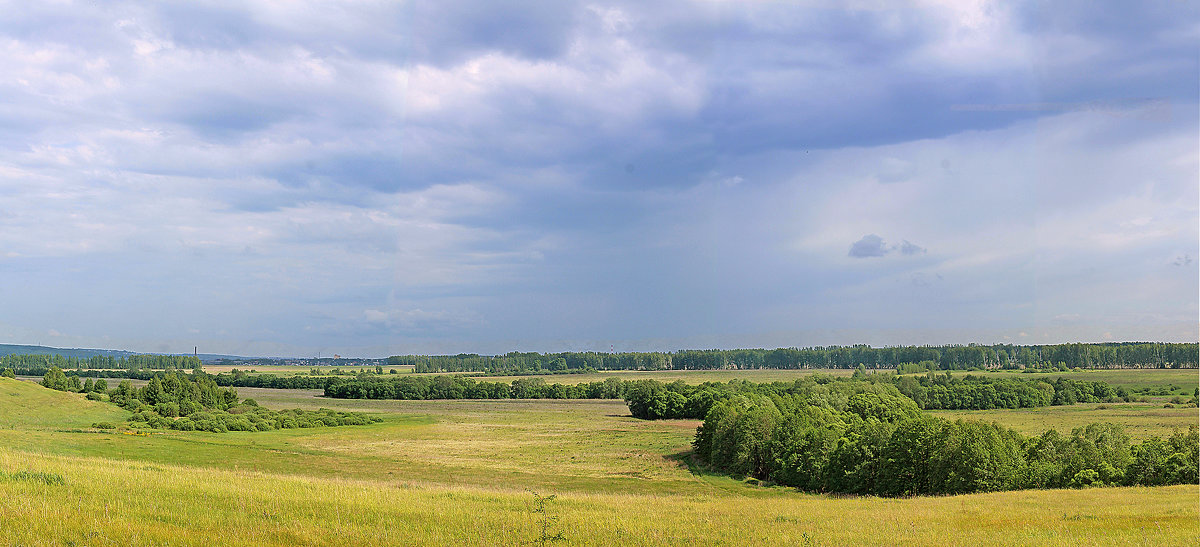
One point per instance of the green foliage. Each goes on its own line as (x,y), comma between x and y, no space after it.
(410,387)
(947,392)
(40,477)
(56,380)
(8,373)
(878,443)
(195,403)
(101,362)
(250,418)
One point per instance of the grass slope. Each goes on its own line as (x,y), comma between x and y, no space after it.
(29,405)
(190,506)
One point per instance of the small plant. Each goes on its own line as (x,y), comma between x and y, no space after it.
(546,521)
(51,479)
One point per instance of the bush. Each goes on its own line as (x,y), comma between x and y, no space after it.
(187,408)
(1087,477)
(170,410)
(103,425)
(94,396)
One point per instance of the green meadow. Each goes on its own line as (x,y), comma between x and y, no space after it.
(1140,420)
(1184,381)
(465,472)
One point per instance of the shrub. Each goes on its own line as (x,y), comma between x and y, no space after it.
(103,425)
(1087,477)
(187,408)
(170,410)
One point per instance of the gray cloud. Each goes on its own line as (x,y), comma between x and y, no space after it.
(869,246)
(474,172)
(909,249)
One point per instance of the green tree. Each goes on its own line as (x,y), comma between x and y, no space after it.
(55,379)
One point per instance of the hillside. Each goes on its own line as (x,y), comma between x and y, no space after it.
(21,349)
(28,405)
(84,353)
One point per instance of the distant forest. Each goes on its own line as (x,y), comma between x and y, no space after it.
(101,362)
(904,358)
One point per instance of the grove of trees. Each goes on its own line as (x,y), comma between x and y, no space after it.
(174,400)
(878,442)
(104,362)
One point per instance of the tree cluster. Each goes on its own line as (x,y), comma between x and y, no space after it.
(880,443)
(178,401)
(460,387)
(174,400)
(946,392)
(245,416)
(104,362)
(649,399)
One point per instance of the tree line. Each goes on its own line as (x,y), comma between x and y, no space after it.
(45,362)
(908,358)
(878,442)
(652,399)
(410,387)
(648,399)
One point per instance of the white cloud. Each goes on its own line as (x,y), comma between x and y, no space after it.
(290,175)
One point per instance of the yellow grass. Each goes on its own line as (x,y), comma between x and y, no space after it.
(107,503)
(460,472)
(1140,420)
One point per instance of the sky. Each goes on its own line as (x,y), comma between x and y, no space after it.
(378,178)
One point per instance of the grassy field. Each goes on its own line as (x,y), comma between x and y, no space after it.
(194,506)
(1141,420)
(1184,381)
(461,472)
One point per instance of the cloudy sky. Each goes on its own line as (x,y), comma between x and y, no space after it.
(371,178)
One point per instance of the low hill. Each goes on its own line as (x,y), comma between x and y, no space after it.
(84,353)
(27,404)
(22,349)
